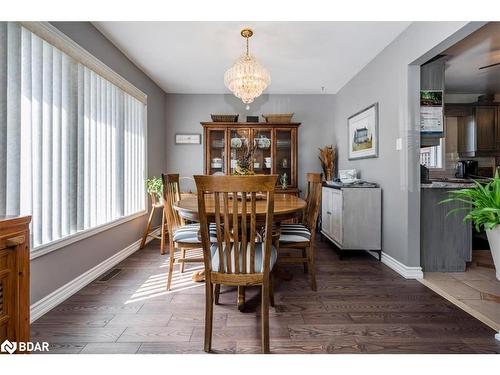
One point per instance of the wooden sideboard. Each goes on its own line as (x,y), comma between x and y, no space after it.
(276,153)
(14,279)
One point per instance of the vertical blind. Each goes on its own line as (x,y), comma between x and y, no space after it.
(71,143)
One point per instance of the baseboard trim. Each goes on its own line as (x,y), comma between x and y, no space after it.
(47,303)
(403,270)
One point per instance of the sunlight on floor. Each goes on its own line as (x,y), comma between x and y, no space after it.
(156,285)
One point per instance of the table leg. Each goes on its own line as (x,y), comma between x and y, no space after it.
(241,298)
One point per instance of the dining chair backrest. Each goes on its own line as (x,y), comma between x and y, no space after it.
(313,200)
(171,194)
(230,203)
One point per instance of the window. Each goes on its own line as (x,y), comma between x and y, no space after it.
(72,142)
(433,157)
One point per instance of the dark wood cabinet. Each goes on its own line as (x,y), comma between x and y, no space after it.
(487,131)
(14,279)
(276,151)
(497,128)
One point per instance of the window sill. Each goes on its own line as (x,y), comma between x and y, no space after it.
(75,237)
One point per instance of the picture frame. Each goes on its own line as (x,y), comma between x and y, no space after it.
(431,112)
(188,139)
(362,133)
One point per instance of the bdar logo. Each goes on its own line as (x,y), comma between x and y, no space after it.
(8,347)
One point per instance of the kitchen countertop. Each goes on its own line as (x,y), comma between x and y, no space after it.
(447,185)
(451,183)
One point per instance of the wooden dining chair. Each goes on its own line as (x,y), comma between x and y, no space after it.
(243,261)
(182,236)
(302,236)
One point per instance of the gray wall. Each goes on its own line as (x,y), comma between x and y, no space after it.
(185,111)
(392,80)
(55,269)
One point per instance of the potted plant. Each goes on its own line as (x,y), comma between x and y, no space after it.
(154,187)
(484,212)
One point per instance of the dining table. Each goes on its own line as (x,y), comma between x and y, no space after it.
(286,207)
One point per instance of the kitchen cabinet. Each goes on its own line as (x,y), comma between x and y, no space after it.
(466,136)
(276,151)
(14,279)
(479,132)
(445,240)
(486,128)
(352,217)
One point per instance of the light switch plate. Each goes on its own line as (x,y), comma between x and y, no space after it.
(399,144)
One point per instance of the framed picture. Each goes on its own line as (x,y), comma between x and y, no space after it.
(431,111)
(188,139)
(362,133)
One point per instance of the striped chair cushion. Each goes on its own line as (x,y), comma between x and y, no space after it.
(190,233)
(258,259)
(294,233)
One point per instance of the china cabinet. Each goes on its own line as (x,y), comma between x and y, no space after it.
(14,279)
(276,151)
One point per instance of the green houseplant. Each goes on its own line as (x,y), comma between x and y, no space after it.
(483,209)
(154,187)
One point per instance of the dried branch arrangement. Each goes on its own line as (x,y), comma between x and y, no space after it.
(327,157)
(244,163)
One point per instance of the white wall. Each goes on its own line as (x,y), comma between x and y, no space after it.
(184,112)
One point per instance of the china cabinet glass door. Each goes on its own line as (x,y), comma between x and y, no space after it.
(283,157)
(263,153)
(216,155)
(238,139)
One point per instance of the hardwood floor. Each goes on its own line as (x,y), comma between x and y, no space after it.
(361,306)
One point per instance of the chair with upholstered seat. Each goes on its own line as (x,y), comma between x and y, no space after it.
(301,236)
(182,236)
(243,261)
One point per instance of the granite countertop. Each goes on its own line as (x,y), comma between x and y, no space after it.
(340,185)
(447,185)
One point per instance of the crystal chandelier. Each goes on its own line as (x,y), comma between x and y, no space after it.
(247,79)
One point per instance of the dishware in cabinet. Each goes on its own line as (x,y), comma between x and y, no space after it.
(285,157)
(239,140)
(215,158)
(262,139)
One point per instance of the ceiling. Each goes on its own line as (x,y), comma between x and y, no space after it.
(302,57)
(481,48)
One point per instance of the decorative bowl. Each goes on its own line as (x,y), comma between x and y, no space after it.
(278,118)
(224,118)
(236,142)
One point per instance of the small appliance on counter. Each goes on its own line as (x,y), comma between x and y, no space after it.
(466,169)
(424,174)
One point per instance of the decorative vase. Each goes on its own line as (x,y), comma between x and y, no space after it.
(284,181)
(242,171)
(494,241)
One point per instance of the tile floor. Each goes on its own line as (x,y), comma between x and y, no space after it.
(477,291)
